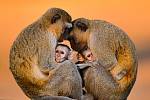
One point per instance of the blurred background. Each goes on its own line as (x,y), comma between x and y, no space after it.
(133,16)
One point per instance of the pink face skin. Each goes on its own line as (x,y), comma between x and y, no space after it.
(61,54)
(88,55)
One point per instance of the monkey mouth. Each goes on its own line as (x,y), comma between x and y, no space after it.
(58,60)
(65,34)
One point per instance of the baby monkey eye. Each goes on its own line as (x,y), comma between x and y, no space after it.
(61,52)
(57,51)
(55,18)
(89,55)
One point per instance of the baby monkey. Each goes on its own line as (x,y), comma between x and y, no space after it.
(87,57)
(62,53)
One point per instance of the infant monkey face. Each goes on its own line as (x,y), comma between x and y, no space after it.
(61,54)
(88,55)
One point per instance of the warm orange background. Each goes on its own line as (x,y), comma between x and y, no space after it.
(133,16)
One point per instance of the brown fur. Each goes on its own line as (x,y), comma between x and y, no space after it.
(32,60)
(114,52)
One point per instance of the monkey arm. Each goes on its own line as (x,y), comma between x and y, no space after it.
(30,70)
(120,75)
(125,69)
(40,75)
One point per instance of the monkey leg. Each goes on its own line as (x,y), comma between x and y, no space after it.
(52,98)
(100,83)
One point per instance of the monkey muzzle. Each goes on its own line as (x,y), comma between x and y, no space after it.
(66,34)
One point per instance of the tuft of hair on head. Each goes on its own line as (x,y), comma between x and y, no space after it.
(53,14)
(60,12)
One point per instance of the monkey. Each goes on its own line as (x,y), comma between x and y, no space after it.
(62,53)
(83,58)
(87,56)
(32,60)
(83,61)
(115,54)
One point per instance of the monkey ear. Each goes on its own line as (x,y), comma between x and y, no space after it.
(82,26)
(70,56)
(55,18)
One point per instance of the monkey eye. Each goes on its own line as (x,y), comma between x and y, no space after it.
(82,26)
(57,51)
(55,18)
(62,52)
(88,55)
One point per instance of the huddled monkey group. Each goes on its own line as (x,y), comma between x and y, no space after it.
(42,65)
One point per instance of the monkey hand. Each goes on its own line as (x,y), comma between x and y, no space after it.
(120,75)
(84,65)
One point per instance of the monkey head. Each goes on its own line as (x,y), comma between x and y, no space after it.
(56,21)
(62,53)
(88,55)
(79,34)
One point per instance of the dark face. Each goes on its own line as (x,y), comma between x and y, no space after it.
(57,22)
(66,34)
(79,34)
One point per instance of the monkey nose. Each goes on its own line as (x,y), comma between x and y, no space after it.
(68,25)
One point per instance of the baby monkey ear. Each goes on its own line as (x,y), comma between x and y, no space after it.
(55,18)
(82,26)
(70,55)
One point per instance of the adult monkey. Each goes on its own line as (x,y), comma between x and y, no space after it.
(32,60)
(115,54)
